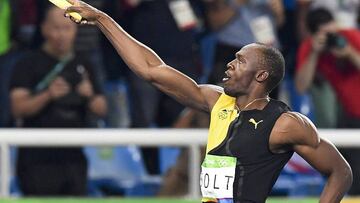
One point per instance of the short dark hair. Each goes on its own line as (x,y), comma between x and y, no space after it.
(274,61)
(45,9)
(317,17)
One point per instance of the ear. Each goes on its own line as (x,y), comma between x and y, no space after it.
(262,75)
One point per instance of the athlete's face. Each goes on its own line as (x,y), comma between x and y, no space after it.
(59,32)
(241,71)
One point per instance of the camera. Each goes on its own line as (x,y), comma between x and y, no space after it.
(334,40)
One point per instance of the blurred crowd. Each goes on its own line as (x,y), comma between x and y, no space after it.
(54,74)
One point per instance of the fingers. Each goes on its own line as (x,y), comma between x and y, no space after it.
(75,20)
(81,22)
(81,13)
(60,81)
(72,9)
(75,17)
(59,87)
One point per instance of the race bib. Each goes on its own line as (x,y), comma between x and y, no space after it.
(217,176)
(183,14)
(263,30)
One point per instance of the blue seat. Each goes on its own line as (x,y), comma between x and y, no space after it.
(298,178)
(168,157)
(300,102)
(119,169)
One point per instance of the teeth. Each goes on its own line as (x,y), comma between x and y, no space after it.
(225,79)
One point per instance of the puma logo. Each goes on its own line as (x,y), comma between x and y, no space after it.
(254,122)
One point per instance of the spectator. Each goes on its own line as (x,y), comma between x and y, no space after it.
(240,22)
(345,12)
(54,88)
(332,54)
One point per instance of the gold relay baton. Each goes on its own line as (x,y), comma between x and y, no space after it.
(63,4)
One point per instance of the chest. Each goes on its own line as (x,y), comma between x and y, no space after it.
(72,72)
(248,137)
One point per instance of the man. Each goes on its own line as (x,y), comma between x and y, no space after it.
(54,88)
(333,55)
(240,166)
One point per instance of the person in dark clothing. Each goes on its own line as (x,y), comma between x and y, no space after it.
(54,88)
(251,136)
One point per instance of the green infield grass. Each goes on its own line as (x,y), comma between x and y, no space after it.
(150,200)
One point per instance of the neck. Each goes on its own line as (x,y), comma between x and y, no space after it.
(248,102)
(59,55)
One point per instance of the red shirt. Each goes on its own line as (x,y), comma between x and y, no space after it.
(345,78)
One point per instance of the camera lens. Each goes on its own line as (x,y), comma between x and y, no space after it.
(335,40)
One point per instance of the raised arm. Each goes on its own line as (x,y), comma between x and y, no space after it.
(145,63)
(305,76)
(299,132)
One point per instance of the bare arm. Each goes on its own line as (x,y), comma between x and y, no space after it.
(277,8)
(23,104)
(354,57)
(146,64)
(350,53)
(305,76)
(298,131)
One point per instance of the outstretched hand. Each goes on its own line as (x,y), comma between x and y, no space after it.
(88,13)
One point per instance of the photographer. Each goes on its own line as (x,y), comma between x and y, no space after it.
(333,55)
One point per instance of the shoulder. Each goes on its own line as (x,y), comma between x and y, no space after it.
(29,57)
(350,32)
(352,36)
(294,128)
(306,43)
(214,89)
(211,93)
(25,64)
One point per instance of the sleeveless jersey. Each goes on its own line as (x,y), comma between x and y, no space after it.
(239,164)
